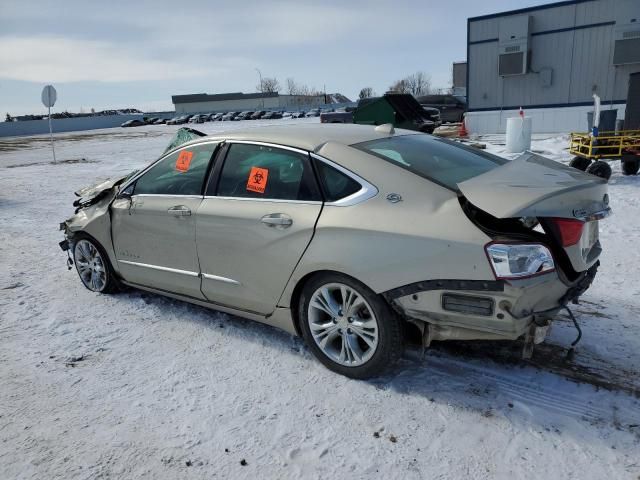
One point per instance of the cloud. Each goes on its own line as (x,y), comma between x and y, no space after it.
(57,59)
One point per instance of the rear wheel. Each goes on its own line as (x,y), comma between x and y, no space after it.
(93,267)
(630,164)
(349,328)
(580,163)
(600,169)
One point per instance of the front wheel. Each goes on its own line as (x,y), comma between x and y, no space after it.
(93,267)
(580,163)
(349,328)
(600,169)
(630,164)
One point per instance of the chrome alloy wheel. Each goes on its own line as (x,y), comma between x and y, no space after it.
(90,265)
(343,324)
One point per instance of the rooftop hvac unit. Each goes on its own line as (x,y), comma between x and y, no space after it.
(514,42)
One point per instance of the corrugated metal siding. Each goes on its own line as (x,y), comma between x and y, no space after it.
(528,89)
(580,59)
(591,68)
(483,70)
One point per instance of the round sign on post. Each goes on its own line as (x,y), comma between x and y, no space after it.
(49,97)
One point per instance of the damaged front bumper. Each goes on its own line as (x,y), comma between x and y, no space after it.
(488,310)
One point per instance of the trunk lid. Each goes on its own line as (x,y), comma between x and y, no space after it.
(535,186)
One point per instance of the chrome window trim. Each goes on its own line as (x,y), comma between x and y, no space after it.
(218,278)
(166,195)
(365,193)
(158,267)
(165,155)
(267,144)
(267,200)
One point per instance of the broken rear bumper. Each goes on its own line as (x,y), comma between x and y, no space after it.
(484,310)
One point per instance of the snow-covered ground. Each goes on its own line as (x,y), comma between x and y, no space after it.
(140,386)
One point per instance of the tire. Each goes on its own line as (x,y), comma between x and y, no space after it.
(93,265)
(362,342)
(630,164)
(580,163)
(600,169)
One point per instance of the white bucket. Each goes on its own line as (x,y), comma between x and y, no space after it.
(518,134)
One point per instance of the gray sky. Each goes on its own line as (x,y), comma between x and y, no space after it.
(115,54)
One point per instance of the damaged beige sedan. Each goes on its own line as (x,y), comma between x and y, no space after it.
(350,236)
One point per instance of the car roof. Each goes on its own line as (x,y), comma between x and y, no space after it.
(305,136)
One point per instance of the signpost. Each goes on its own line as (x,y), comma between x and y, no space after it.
(49,97)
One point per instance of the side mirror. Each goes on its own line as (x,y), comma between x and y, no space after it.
(127,192)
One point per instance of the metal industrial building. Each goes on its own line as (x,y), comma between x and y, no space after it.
(226,102)
(549,60)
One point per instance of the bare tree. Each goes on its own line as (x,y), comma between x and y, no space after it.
(292,86)
(399,86)
(366,92)
(416,84)
(269,85)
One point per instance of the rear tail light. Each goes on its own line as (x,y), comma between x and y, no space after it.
(519,260)
(570,230)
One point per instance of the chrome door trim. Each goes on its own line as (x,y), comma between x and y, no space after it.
(209,276)
(365,193)
(158,267)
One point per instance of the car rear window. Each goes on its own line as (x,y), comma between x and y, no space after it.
(442,161)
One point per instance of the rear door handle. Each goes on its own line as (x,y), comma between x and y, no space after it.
(277,220)
(179,211)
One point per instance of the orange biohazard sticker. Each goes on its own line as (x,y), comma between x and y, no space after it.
(184,160)
(257,181)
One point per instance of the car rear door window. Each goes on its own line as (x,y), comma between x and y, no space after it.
(264,172)
(336,184)
(180,173)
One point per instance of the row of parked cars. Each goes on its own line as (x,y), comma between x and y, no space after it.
(228,116)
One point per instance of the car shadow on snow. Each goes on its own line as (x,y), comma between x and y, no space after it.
(486,376)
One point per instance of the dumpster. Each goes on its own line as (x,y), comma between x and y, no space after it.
(400,109)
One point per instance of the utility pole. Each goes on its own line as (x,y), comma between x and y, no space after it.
(261,87)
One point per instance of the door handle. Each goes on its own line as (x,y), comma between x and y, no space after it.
(277,220)
(179,211)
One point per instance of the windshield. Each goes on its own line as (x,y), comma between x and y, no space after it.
(442,161)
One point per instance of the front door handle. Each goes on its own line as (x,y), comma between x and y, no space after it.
(277,220)
(179,211)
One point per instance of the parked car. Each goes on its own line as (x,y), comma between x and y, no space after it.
(180,120)
(258,115)
(160,121)
(342,115)
(150,120)
(201,118)
(451,107)
(133,123)
(367,233)
(299,114)
(229,116)
(271,116)
(244,115)
(314,112)
(214,117)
